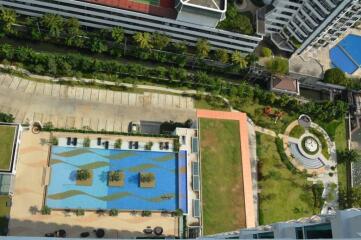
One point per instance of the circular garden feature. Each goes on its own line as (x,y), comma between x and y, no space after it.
(310,145)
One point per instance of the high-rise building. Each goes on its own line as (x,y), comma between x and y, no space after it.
(298,25)
(155,16)
(342,224)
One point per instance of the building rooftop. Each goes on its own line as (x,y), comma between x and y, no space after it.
(162,8)
(284,83)
(213,4)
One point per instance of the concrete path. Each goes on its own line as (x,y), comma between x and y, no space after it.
(78,107)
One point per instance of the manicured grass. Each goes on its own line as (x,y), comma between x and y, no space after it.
(297,131)
(210,103)
(7,135)
(222,180)
(4,213)
(256,113)
(283,195)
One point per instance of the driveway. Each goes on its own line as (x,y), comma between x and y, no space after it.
(77,107)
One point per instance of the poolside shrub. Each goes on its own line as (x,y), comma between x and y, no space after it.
(146,213)
(178,212)
(176,145)
(45,210)
(113,212)
(149,146)
(54,141)
(79,212)
(118,143)
(86,142)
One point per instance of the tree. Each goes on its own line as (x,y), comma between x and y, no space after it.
(53,24)
(82,174)
(348,156)
(118,35)
(202,48)
(335,76)
(97,45)
(45,210)
(7,20)
(222,56)
(160,41)
(180,47)
(266,52)
(4,117)
(144,40)
(277,65)
(33,28)
(74,35)
(239,60)
(236,21)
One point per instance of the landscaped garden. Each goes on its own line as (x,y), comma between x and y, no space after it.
(7,135)
(222,185)
(281,188)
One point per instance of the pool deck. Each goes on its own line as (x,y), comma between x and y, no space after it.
(29,195)
(245,156)
(322,55)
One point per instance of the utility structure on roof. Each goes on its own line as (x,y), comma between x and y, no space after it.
(203,12)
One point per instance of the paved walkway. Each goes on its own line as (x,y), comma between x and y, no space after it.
(245,156)
(77,107)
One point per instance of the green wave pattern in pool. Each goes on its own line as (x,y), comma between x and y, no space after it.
(73,193)
(88,166)
(99,164)
(119,156)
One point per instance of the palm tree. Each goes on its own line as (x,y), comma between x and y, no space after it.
(160,41)
(222,56)
(7,19)
(32,24)
(348,156)
(118,35)
(239,60)
(53,24)
(144,40)
(74,35)
(203,48)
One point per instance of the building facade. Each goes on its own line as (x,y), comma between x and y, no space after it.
(341,224)
(95,15)
(298,25)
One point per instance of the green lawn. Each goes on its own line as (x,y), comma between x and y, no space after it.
(222,180)
(4,213)
(210,103)
(6,146)
(297,131)
(283,195)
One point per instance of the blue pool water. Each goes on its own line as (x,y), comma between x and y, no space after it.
(63,193)
(347,54)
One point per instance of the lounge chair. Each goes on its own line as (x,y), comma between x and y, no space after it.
(130,145)
(161,145)
(167,145)
(106,145)
(68,141)
(75,141)
(99,141)
(136,145)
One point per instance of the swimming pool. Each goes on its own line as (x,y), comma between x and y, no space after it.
(64,193)
(346,54)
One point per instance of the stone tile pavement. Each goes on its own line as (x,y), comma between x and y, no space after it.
(77,107)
